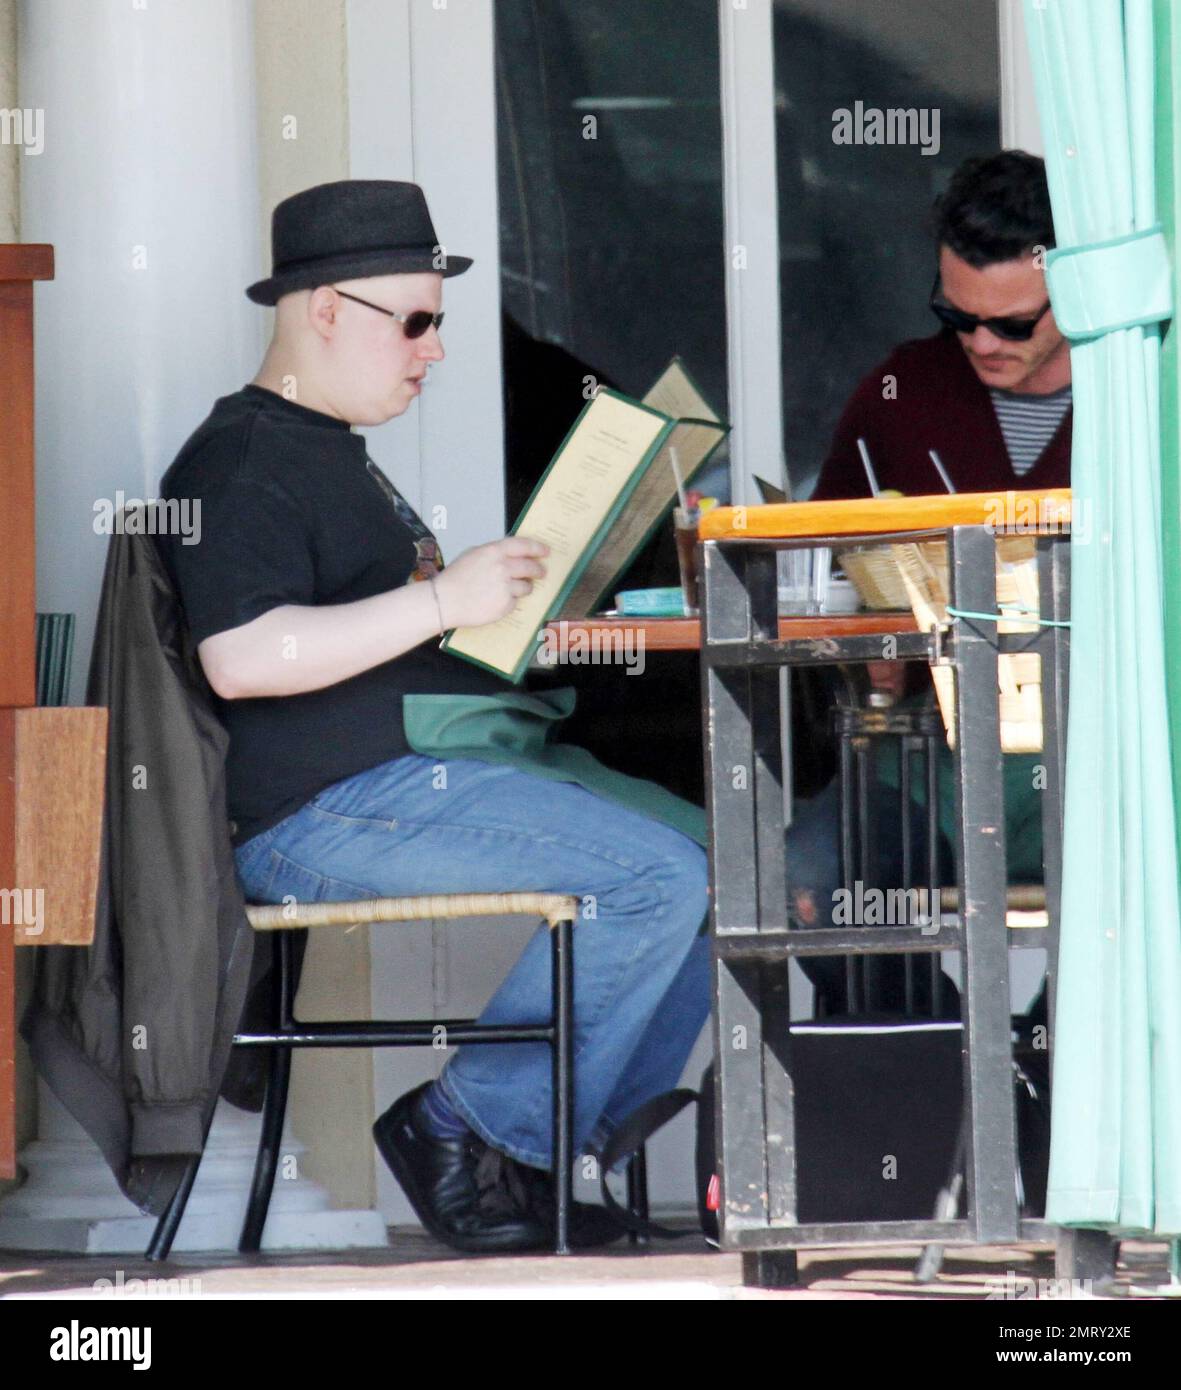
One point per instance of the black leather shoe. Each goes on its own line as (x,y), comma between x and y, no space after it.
(439,1176)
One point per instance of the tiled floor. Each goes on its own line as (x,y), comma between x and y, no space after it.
(416,1267)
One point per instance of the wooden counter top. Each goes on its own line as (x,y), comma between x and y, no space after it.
(1017,511)
(684,634)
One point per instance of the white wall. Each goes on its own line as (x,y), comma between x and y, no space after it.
(422,107)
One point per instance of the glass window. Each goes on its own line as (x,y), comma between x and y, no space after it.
(875,106)
(610,184)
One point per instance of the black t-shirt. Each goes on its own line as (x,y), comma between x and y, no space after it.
(294,511)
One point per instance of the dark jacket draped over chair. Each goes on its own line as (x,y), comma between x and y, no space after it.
(134,1033)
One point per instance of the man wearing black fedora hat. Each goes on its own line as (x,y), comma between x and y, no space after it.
(316,596)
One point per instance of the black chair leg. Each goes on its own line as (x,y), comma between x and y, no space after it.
(562,1051)
(160,1246)
(637,1194)
(275,1105)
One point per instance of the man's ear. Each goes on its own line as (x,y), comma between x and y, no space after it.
(323,306)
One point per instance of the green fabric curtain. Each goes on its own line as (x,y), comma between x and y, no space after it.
(1116,1153)
(1168,184)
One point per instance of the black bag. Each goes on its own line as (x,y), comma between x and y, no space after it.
(878,1112)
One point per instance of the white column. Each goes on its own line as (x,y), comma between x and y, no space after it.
(1020,126)
(148,188)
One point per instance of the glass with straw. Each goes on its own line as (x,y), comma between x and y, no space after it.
(685,519)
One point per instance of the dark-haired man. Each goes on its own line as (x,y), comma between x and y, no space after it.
(990,394)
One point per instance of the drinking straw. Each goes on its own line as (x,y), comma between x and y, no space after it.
(672,454)
(869,473)
(939,468)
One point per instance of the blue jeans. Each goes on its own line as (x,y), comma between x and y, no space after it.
(641,949)
(814,874)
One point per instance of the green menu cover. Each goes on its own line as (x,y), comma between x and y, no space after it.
(601,497)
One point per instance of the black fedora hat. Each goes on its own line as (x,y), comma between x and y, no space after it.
(350,229)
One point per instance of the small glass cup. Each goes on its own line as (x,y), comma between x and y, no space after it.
(795,581)
(685,530)
(803,578)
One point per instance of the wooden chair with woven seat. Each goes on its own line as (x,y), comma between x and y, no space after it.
(288,1032)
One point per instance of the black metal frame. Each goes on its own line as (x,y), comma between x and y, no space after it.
(288,1033)
(741,654)
(917,731)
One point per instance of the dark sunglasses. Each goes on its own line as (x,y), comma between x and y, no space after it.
(413,325)
(1015,330)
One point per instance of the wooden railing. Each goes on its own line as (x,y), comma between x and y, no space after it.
(19,267)
(51,760)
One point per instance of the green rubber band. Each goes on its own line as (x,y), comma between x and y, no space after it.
(1014,609)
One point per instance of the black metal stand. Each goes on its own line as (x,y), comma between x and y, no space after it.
(741,655)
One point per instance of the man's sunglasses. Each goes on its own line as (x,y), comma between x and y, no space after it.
(413,325)
(1015,330)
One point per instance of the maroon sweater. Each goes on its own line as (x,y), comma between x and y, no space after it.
(940,403)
